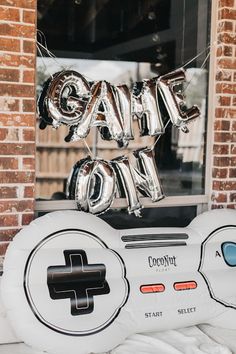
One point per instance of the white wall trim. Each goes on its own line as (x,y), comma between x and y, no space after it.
(211,104)
(187,200)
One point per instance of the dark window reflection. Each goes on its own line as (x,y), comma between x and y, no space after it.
(155,217)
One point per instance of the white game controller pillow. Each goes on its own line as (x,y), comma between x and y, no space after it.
(74,284)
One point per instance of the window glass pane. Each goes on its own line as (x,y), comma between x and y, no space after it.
(126,41)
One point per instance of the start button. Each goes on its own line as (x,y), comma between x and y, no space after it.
(152,288)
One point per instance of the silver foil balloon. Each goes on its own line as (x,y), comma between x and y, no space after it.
(67,97)
(146,108)
(124,99)
(174,102)
(42,111)
(95,186)
(146,175)
(103,111)
(126,184)
(72,178)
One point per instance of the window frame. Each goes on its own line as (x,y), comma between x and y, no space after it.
(202,201)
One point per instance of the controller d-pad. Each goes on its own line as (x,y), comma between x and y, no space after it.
(78,281)
(74,283)
(229,253)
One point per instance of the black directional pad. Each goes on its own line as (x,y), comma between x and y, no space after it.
(78,281)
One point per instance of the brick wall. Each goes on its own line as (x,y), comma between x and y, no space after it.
(17,116)
(17,113)
(224,139)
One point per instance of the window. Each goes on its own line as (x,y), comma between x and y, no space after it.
(127,41)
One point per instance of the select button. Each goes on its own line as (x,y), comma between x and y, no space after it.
(185,285)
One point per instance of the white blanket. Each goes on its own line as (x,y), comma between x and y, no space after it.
(191,340)
(202,339)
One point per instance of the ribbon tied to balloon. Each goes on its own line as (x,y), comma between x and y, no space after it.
(68,98)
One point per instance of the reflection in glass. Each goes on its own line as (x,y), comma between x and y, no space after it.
(179,155)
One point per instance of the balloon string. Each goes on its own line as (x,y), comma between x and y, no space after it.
(158,138)
(88,148)
(202,66)
(183,34)
(51,55)
(41,55)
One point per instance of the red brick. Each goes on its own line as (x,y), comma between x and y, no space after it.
(8,220)
(225,26)
(13,206)
(235,75)
(14,60)
(233,137)
(227,51)
(17,149)
(234,125)
(223,75)
(16,30)
(231,206)
(232,172)
(3,248)
(3,134)
(219,197)
(29,135)
(29,106)
(9,44)
(225,88)
(17,120)
(8,163)
(9,14)
(222,137)
(9,75)
(27,218)
(29,16)
(221,161)
(226,3)
(220,149)
(232,161)
(29,76)
(232,197)
(226,14)
(227,63)
(224,101)
(29,47)
(233,149)
(27,4)
(222,125)
(17,177)
(29,163)
(217,206)
(12,135)
(8,192)
(9,104)
(7,235)
(227,38)
(225,113)
(17,90)
(219,172)
(29,192)
(9,135)
(224,186)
